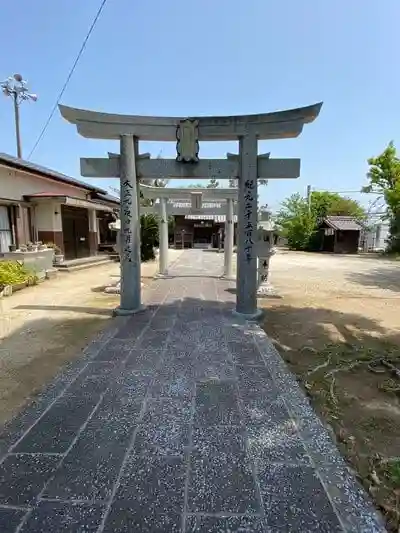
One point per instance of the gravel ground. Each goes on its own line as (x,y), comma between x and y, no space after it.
(359,284)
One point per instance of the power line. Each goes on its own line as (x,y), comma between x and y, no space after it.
(96,18)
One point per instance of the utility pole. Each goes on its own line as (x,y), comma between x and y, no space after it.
(309,198)
(16,87)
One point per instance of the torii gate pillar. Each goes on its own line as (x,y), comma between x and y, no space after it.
(246,287)
(229,239)
(163,259)
(130,231)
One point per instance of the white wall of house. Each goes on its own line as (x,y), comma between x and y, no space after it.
(376,237)
(48,216)
(14,184)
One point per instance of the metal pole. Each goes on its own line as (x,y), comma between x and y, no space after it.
(309,198)
(17,129)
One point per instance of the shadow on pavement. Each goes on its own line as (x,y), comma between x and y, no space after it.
(72,308)
(385,278)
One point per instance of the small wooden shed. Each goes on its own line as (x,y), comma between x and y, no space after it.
(340,234)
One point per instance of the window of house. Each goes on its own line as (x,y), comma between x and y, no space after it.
(5,229)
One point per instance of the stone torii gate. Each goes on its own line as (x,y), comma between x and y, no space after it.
(188,132)
(170,202)
(198,202)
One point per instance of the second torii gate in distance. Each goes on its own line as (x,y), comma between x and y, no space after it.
(188,132)
(198,201)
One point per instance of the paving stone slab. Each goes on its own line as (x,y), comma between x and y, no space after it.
(22,477)
(10,519)
(215,440)
(93,385)
(90,469)
(141,359)
(222,483)
(125,518)
(256,381)
(214,371)
(260,409)
(224,524)
(245,354)
(150,496)
(295,500)
(59,426)
(354,508)
(116,350)
(51,517)
(164,427)
(277,443)
(216,403)
(136,325)
(168,383)
(129,383)
(152,340)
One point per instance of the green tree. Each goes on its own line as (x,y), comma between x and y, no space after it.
(325,203)
(384,179)
(148,236)
(296,222)
(213,183)
(196,186)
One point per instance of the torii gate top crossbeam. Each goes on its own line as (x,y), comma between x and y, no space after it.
(276,125)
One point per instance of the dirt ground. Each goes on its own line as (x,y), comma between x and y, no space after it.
(46,326)
(334,319)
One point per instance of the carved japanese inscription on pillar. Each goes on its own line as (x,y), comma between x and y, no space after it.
(187,146)
(126,236)
(248,215)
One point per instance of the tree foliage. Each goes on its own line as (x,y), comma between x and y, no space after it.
(298,221)
(196,186)
(213,183)
(384,179)
(148,236)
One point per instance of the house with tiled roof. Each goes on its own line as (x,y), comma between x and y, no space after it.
(340,234)
(41,204)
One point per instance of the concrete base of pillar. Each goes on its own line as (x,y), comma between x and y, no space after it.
(115,289)
(228,278)
(118,311)
(266,290)
(252,316)
(162,276)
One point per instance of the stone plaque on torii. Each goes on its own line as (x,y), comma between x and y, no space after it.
(247,167)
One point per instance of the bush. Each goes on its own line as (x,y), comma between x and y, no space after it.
(14,273)
(148,236)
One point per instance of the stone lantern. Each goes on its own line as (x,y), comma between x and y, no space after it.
(267,237)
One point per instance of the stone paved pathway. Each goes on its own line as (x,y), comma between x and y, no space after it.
(180,419)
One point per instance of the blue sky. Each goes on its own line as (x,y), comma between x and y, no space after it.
(192,57)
